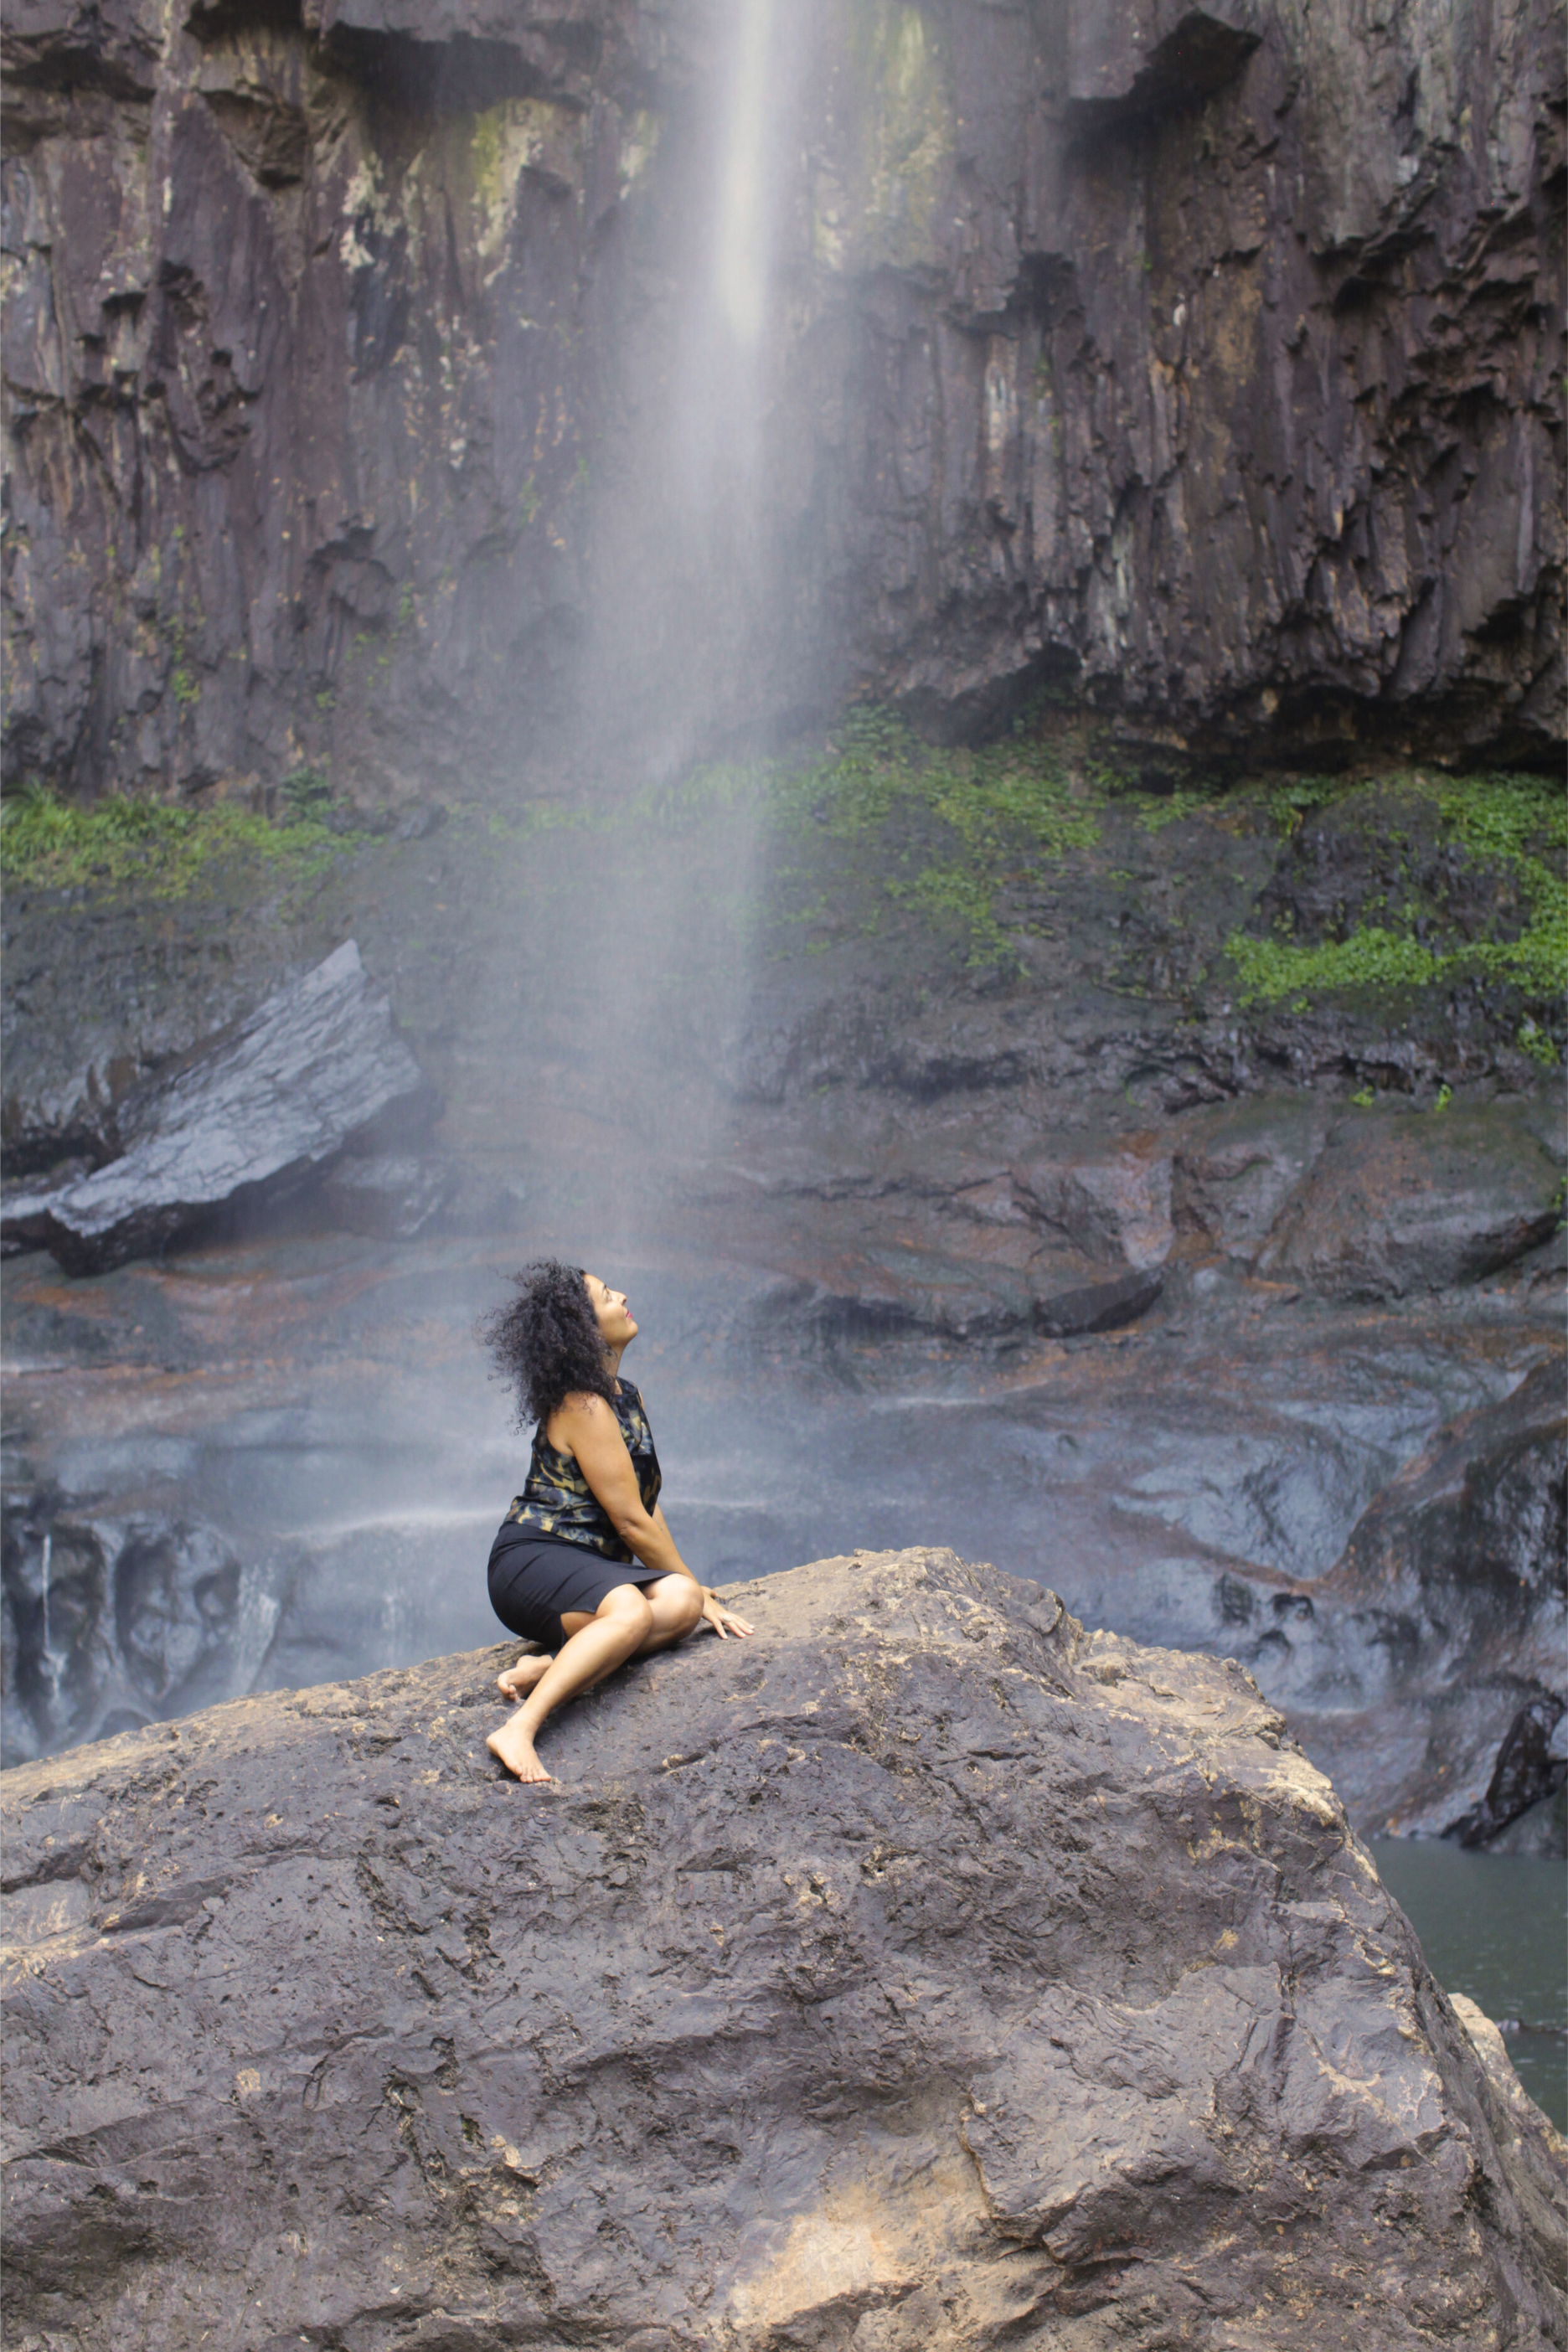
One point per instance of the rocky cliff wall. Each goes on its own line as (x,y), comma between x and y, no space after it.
(1205,360)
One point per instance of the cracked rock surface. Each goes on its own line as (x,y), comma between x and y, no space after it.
(925,1972)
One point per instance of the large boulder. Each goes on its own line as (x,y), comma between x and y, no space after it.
(249,1118)
(925,1972)
(1415,1201)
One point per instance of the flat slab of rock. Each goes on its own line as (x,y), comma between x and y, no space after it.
(924,1972)
(245,1118)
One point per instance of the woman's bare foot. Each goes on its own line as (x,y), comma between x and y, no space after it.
(519,1680)
(515,1750)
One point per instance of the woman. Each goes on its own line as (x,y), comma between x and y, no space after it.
(557,1567)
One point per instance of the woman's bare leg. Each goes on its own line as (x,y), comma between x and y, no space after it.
(618,1629)
(677,1605)
(518,1681)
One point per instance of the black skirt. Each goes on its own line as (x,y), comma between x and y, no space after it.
(533,1581)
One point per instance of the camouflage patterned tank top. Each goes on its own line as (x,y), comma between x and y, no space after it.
(557,1500)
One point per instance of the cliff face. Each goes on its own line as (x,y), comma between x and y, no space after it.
(364,413)
(923,1973)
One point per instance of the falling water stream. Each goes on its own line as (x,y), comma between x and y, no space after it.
(51,1660)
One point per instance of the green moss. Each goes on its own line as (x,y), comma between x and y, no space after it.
(1289,803)
(1154,814)
(159,849)
(1370,958)
(1517,821)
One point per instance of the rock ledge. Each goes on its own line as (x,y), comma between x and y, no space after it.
(926,1972)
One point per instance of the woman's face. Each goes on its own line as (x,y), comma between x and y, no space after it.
(610,1308)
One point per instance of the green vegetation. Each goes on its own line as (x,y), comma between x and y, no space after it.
(937,831)
(157,848)
(1154,814)
(1370,958)
(882,818)
(1288,802)
(1517,824)
(306,795)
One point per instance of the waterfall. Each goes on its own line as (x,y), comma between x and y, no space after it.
(742,245)
(52,1664)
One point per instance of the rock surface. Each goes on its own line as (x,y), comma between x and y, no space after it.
(923,1971)
(244,1121)
(1428,1665)
(1212,359)
(1393,1206)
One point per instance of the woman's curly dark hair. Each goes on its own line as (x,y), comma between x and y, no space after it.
(546,1343)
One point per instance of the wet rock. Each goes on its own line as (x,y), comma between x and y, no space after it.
(1413,1202)
(243,1123)
(1426,1669)
(83,1024)
(1384,846)
(1133,258)
(1117,1209)
(1100,1305)
(395,1195)
(1234,1169)
(112,1623)
(1526,1773)
(924,1966)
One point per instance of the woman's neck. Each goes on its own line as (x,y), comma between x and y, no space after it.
(613,1359)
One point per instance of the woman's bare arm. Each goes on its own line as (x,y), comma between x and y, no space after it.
(587,1427)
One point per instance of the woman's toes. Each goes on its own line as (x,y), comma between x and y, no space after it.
(517,1755)
(519,1680)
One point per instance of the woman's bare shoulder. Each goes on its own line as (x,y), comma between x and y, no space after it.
(579,1416)
(583,1407)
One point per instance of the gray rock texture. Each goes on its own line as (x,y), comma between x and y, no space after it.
(924,1972)
(1390,1206)
(246,1119)
(1427,1667)
(1208,358)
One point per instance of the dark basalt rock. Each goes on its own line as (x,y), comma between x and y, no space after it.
(1101,1306)
(922,1973)
(112,1623)
(1528,1772)
(1208,357)
(1400,1203)
(1426,1669)
(241,1125)
(394,1194)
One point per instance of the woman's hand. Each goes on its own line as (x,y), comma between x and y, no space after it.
(723,1620)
